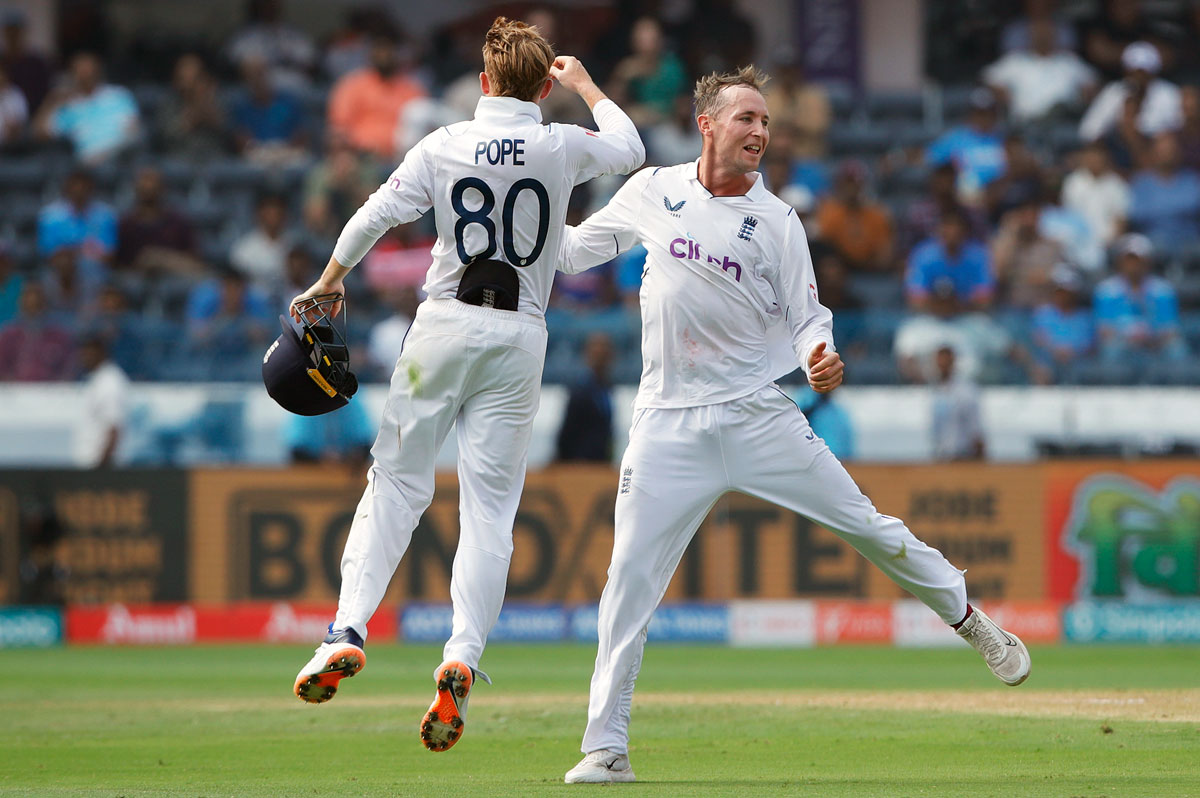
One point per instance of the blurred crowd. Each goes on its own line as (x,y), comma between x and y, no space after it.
(1034,212)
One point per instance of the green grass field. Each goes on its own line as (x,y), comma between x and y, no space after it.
(221,721)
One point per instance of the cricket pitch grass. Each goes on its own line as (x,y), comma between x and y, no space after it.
(215,721)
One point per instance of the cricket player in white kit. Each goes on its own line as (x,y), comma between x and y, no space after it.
(499,186)
(729,304)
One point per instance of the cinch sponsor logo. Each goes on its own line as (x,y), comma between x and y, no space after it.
(149,627)
(1134,543)
(688,249)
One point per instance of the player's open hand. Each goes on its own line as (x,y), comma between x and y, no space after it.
(824,369)
(569,72)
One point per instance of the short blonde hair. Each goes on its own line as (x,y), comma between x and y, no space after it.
(517,59)
(708,89)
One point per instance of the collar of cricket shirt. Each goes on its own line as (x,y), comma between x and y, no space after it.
(506,108)
(756,192)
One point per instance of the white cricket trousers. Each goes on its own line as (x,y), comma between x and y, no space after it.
(679,462)
(482,369)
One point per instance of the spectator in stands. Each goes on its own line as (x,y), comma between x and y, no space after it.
(1095,190)
(100,119)
(586,432)
(11,284)
(101,421)
(120,329)
(387,336)
(260,254)
(1165,198)
(1070,228)
(1118,24)
(288,52)
(70,292)
(921,219)
(365,106)
(957,424)
(1140,102)
(800,104)
(227,308)
(30,71)
(1018,34)
(268,124)
(648,80)
(349,47)
(1062,328)
(954,256)
(1137,313)
(336,187)
(1023,177)
(152,236)
(35,347)
(777,171)
(976,148)
(191,121)
(675,139)
(833,280)
(14,112)
(860,230)
(81,221)
(1189,133)
(298,270)
(1022,257)
(1042,81)
(343,437)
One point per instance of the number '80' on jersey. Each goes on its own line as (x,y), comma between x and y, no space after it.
(499,185)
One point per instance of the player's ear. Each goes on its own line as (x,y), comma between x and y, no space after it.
(485,86)
(705,124)
(546,89)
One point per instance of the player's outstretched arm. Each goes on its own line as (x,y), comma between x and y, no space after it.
(606,233)
(405,196)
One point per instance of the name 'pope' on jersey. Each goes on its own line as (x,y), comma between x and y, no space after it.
(499,184)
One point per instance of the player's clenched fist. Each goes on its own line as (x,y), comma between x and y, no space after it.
(569,71)
(824,369)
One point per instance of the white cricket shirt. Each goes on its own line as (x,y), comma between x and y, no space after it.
(499,185)
(729,298)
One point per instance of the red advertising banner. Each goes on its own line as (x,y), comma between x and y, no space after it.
(159,624)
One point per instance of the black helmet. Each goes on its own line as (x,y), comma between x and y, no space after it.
(307,369)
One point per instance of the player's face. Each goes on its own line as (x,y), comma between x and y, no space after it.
(739,129)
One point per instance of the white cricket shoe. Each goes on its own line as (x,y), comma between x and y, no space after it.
(601,767)
(318,680)
(1004,653)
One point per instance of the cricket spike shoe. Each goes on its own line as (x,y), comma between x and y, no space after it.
(444,723)
(1003,652)
(601,767)
(338,657)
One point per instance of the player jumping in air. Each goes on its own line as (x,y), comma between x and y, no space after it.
(499,185)
(729,304)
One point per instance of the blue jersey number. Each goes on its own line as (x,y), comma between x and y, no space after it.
(479,216)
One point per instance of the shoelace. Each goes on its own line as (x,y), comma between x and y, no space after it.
(987,641)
